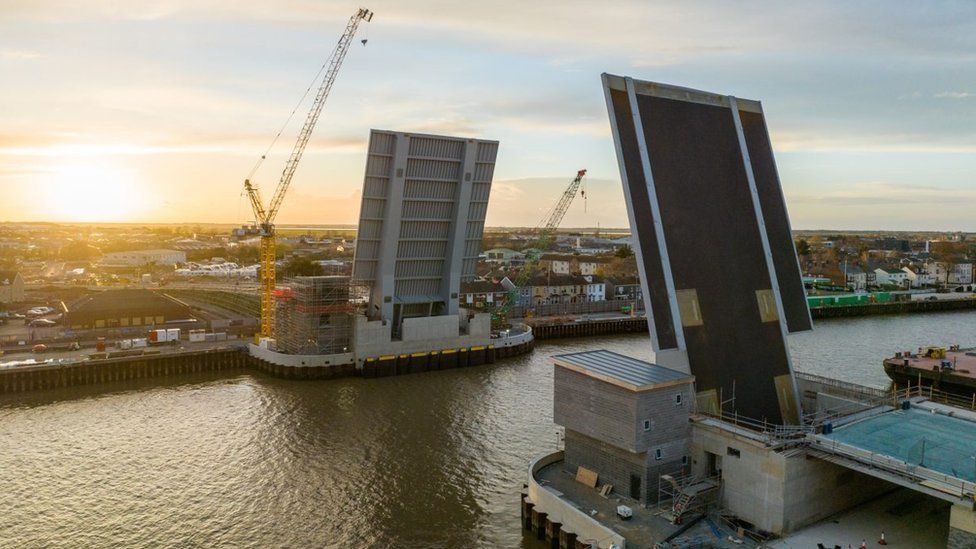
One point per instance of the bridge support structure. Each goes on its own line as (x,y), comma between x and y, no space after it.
(962,528)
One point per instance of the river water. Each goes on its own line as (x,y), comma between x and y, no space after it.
(430,460)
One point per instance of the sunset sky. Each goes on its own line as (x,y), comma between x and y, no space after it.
(155,111)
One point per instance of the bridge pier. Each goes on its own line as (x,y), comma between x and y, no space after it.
(962,528)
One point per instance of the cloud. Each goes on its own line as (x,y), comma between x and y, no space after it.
(70,144)
(18,55)
(955,95)
(842,140)
(881,193)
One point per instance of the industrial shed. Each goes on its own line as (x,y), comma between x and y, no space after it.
(125,308)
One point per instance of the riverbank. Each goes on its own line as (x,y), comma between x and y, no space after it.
(625,324)
(894,308)
(98,369)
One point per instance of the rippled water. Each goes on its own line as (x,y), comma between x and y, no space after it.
(430,460)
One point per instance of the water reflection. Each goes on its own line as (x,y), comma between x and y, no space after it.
(431,460)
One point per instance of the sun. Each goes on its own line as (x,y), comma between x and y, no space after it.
(93,191)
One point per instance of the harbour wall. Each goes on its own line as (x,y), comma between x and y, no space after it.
(107,369)
(127,368)
(893,308)
(639,324)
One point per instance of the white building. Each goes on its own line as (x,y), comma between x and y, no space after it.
(855,277)
(894,277)
(556,264)
(961,273)
(596,288)
(918,277)
(140,258)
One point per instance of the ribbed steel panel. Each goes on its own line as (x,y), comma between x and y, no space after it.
(422,216)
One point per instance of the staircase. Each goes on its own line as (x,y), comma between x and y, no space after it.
(691,496)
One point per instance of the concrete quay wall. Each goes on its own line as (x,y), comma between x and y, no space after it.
(91,372)
(894,308)
(557,520)
(151,365)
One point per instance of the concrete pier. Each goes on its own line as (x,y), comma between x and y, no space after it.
(962,528)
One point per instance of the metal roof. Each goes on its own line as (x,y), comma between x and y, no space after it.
(621,370)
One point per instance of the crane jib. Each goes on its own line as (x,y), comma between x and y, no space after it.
(265,217)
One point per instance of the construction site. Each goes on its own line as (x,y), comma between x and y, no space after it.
(314,315)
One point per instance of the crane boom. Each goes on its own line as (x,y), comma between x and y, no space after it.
(546,232)
(335,62)
(558,212)
(265,217)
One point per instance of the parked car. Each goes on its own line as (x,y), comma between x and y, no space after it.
(39,348)
(42,323)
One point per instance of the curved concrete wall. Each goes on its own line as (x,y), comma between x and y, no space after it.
(300,360)
(559,510)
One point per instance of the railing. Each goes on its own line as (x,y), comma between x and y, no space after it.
(516,336)
(583,307)
(887,402)
(845,388)
(955,486)
(772,434)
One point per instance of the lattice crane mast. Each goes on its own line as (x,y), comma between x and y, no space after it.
(546,232)
(264,217)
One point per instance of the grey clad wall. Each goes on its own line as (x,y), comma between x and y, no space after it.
(606,429)
(421,221)
(714,247)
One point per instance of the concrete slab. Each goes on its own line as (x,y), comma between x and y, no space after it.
(908,519)
(646,527)
(933,440)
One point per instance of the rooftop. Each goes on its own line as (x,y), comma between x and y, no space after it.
(621,370)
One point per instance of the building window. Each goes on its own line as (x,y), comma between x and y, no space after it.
(658,454)
(732,452)
(684,460)
(647,425)
(677,399)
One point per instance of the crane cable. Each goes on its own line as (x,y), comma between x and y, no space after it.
(290,116)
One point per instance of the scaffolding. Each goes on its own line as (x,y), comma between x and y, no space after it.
(314,314)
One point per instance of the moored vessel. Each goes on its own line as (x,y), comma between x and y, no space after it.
(952,369)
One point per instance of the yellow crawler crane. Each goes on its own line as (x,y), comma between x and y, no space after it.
(264,217)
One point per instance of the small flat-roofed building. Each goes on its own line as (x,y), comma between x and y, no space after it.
(124,309)
(626,419)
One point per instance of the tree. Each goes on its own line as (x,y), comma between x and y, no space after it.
(300,266)
(624,251)
(802,247)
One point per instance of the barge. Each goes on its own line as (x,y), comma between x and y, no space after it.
(951,370)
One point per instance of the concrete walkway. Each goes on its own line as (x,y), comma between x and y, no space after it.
(908,519)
